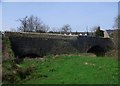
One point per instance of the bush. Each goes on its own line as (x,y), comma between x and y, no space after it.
(99,32)
(116,40)
(13,73)
(23,73)
(112,53)
(6,49)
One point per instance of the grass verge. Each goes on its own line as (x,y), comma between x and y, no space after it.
(72,69)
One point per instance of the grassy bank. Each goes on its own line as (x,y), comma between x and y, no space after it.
(71,69)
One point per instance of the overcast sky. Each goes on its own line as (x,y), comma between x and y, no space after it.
(78,15)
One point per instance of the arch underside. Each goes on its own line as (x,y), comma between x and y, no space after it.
(97,50)
(31,55)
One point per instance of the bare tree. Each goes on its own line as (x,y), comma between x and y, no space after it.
(54,29)
(32,24)
(66,28)
(13,30)
(117,22)
(23,26)
(93,29)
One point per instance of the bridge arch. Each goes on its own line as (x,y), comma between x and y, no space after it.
(97,50)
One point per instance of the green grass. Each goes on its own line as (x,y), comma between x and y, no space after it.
(65,69)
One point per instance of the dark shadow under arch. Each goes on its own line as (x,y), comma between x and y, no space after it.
(97,50)
(21,58)
(31,55)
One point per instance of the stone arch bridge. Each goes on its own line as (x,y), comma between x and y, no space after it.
(40,44)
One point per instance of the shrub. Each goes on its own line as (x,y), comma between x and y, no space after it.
(23,73)
(13,73)
(6,49)
(99,32)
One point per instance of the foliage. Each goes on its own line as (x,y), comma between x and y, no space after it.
(99,33)
(13,73)
(6,49)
